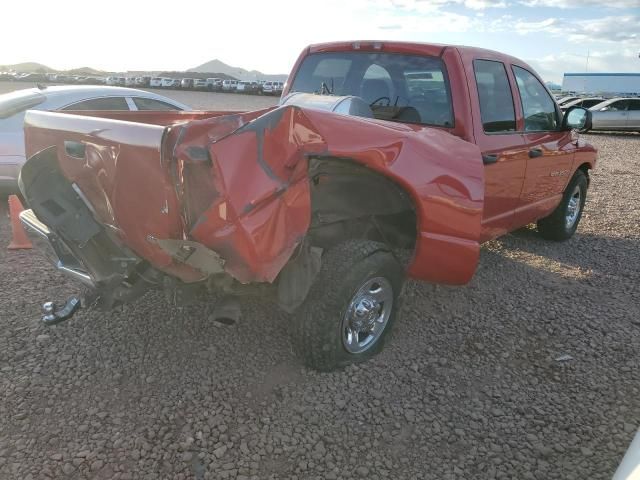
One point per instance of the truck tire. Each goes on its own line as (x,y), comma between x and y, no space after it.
(351,306)
(564,220)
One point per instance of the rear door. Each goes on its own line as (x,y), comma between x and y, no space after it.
(633,115)
(549,149)
(502,147)
(613,116)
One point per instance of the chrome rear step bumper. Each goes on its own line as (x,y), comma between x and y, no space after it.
(54,248)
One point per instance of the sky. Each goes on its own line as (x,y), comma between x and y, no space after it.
(554,36)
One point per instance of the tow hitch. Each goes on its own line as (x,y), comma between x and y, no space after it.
(54,314)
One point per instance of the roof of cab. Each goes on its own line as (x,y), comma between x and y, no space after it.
(393,46)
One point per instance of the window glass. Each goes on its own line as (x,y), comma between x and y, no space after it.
(152,104)
(537,105)
(634,104)
(399,88)
(494,94)
(618,106)
(103,103)
(590,103)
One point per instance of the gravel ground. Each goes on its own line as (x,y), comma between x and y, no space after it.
(468,387)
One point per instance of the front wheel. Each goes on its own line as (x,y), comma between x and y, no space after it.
(563,222)
(351,306)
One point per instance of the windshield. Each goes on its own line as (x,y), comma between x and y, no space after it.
(20,101)
(403,88)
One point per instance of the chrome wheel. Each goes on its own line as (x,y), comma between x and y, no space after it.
(367,315)
(573,208)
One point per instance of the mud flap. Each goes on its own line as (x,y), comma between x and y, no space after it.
(297,277)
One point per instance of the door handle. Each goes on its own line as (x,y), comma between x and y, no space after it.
(535,152)
(490,158)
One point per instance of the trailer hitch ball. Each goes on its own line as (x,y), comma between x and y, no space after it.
(54,314)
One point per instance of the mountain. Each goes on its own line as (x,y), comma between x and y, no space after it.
(28,67)
(85,71)
(40,68)
(219,66)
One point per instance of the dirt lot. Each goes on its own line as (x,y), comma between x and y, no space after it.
(468,387)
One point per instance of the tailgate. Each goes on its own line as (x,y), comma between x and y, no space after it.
(115,166)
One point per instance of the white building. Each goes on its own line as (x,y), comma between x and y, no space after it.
(602,83)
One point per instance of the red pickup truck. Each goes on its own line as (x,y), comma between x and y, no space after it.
(383,160)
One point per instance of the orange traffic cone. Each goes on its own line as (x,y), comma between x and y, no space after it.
(19,238)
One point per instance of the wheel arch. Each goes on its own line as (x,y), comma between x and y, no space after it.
(584,168)
(350,200)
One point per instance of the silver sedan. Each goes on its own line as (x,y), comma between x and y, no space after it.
(616,114)
(14,105)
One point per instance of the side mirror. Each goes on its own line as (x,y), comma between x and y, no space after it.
(577,118)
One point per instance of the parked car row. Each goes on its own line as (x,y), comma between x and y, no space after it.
(219,85)
(210,84)
(618,113)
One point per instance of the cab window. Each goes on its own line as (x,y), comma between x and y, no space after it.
(494,94)
(538,107)
(397,87)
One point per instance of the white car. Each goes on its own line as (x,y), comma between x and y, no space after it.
(214,84)
(229,85)
(155,82)
(272,88)
(170,83)
(566,99)
(616,114)
(14,105)
(186,83)
(130,81)
(586,102)
(199,83)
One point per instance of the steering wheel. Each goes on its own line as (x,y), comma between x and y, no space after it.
(380,99)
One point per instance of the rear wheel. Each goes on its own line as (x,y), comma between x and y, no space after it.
(351,306)
(564,220)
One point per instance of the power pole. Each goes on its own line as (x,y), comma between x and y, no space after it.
(587,65)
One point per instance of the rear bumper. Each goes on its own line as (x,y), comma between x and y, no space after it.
(54,249)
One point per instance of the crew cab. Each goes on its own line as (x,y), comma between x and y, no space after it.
(383,160)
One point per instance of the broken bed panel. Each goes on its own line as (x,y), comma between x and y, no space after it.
(259,190)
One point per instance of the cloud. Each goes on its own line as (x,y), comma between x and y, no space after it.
(484,4)
(619,29)
(424,6)
(552,67)
(549,25)
(582,3)
(612,29)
